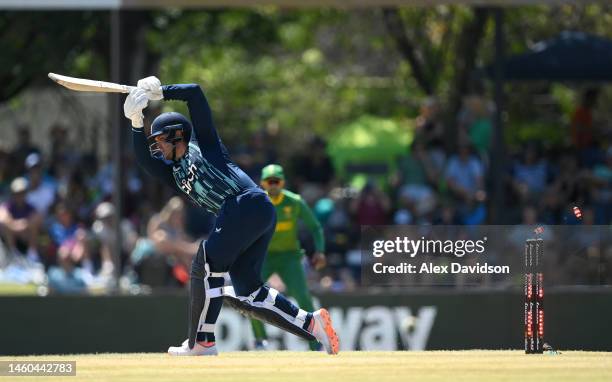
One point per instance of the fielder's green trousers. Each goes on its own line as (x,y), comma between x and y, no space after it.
(288,266)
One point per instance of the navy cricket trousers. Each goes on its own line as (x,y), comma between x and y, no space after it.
(240,239)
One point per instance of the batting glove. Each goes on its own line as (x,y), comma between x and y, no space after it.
(152,85)
(134,103)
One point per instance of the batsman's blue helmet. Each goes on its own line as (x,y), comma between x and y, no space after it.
(171,127)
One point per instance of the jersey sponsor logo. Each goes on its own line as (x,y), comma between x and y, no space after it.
(186,184)
(217,230)
(284,226)
(206,185)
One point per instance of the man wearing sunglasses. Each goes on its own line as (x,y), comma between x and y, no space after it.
(198,166)
(285,254)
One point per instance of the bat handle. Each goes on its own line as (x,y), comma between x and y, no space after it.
(128,88)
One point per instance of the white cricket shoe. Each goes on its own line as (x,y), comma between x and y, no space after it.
(324,332)
(198,349)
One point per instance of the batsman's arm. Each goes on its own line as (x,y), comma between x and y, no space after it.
(154,167)
(313,225)
(199,110)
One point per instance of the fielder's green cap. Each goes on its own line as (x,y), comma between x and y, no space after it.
(272,171)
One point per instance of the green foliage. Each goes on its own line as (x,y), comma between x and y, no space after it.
(288,78)
(302,71)
(34,43)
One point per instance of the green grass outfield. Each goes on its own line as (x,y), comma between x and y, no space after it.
(284,366)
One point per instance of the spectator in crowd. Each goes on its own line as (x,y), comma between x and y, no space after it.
(475,122)
(19,222)
(167,232)
(372,206)
(464,175)
(69,276)
(544,182)
(418,176)
(446,215)
(5,171)
(41,187)
(581,128)
(63,225)
(569,187)
(75,190)
(313,171)
(429,126)
(530,175)
(23,148)
(62,149)
(601,179)
(263,151)
(104,236)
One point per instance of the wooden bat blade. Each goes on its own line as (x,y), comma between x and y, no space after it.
(85,85)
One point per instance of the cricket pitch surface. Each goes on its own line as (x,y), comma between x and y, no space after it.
(354,366)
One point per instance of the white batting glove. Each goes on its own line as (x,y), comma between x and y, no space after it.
(152,85)
(133,105)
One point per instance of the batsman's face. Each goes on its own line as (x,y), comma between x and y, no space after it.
(168,147)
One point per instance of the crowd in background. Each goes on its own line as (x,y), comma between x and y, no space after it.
(56,214)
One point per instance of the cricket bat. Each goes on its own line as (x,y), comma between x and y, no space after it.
(85,85)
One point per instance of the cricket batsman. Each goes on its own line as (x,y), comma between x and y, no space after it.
(190,158)
(284,252)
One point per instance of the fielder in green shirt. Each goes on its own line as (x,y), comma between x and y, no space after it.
(284,252)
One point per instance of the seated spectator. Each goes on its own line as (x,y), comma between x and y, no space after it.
(570,187)
(530,175)
(446,215)
(372,206)
(418,176)
(41,188)
(69,276)
(75,189)
(465,178)
(313,171)
(63,225)
(601,179)
(19,222)
(104,235)
(167,232)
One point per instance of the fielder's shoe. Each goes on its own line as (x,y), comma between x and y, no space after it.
(324,332)
(198,349)
(260,345)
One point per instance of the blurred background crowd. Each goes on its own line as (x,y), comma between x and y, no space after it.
(379,116)
(56,212)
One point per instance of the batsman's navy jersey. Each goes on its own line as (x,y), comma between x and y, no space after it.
(205,173)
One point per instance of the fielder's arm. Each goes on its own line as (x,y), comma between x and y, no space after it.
(313,225)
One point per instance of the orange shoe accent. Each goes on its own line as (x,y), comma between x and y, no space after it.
(329,330)
(206,344)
